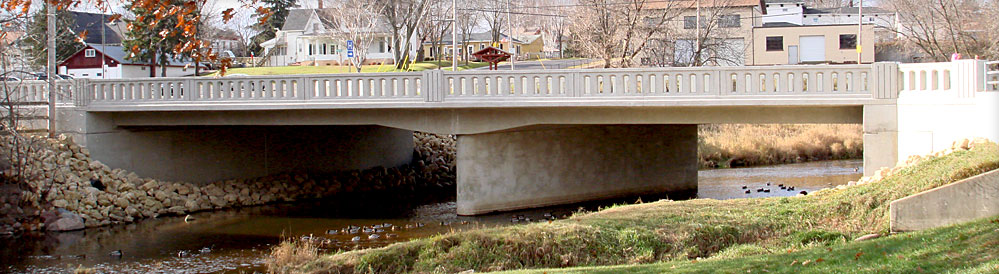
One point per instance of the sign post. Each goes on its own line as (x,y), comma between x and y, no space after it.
(350,48)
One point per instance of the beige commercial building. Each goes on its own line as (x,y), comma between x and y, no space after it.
(791,44)
(727,25)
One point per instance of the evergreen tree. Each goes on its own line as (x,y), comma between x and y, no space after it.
(278,13)
(67,43)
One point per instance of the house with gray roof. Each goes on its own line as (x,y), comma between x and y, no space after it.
(110,62)
(309,38)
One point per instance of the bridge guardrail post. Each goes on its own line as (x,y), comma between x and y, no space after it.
(885,79)
(433,85)
(305,88)
(716,85)
(576,84)
(188,90)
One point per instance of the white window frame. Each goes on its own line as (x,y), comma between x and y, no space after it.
(89,53)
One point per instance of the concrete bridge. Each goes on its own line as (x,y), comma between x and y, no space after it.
(525,138)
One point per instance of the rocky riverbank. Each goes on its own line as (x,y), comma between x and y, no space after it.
(62,188)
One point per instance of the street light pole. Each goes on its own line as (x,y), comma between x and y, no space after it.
(860,32)
(509,16)
(50,70)
(454,35)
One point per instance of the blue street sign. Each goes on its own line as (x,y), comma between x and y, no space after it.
(350,48)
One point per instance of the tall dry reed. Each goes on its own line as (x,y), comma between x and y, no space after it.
(749,145)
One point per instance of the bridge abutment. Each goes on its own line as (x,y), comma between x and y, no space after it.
(880,137)
(202,154)
(565,164)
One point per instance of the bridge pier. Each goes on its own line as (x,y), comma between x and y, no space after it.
(202,154)
(565,164)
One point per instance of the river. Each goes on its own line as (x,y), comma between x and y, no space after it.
(236,240)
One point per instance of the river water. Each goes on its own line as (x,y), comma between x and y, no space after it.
(237,240)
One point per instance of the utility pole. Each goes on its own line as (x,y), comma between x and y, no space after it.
(509,23)
(697,36)
(50,70)
(860,32)
(454,35)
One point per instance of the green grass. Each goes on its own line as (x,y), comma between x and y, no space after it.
(971,247)
(668,231)
(290,70)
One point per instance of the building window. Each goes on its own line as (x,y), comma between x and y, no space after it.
(689,22)
(730,21)
(310,49)
(90,53)
(324,49)
(99,74)
(775,43)
(381,46)
(847,41)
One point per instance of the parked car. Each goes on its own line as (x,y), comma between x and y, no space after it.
(43,76)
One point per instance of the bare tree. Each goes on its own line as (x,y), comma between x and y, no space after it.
(435,29)
(403,17)
(493,13)
(938,28)
(611,30)
(466,22)
(357,21)
(712,42)
(555,27)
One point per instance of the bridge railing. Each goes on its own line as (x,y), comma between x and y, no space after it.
(30,92)
(710,81)
(960,79)
(877,81)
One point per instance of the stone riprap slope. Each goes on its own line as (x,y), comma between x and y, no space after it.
(64,189)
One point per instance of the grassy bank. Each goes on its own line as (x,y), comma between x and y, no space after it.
(965,248)
(753,145)
(290,70)
(666,231)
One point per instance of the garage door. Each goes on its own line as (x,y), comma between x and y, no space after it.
(813,48)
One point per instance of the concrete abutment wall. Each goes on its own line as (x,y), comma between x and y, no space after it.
(564,164)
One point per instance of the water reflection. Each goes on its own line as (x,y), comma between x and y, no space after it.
(235,241)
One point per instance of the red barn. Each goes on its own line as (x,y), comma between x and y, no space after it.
(87,64)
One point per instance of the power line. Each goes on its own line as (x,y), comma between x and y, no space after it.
(556,15)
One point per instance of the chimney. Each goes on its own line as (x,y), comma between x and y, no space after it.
(320,4)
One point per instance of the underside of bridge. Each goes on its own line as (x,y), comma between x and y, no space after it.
(507,158)
(202,154)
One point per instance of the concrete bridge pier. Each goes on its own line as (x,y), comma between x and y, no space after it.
(549,165)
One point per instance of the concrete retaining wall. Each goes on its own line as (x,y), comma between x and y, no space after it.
(962,201)
(557,165)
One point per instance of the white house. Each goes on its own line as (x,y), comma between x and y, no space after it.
(306,39)
(87,63)
(794,12)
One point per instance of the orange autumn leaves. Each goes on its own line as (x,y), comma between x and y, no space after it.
(188,17)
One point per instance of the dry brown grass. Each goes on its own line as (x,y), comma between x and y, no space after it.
(84,270)
(292,252)
(750,145)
